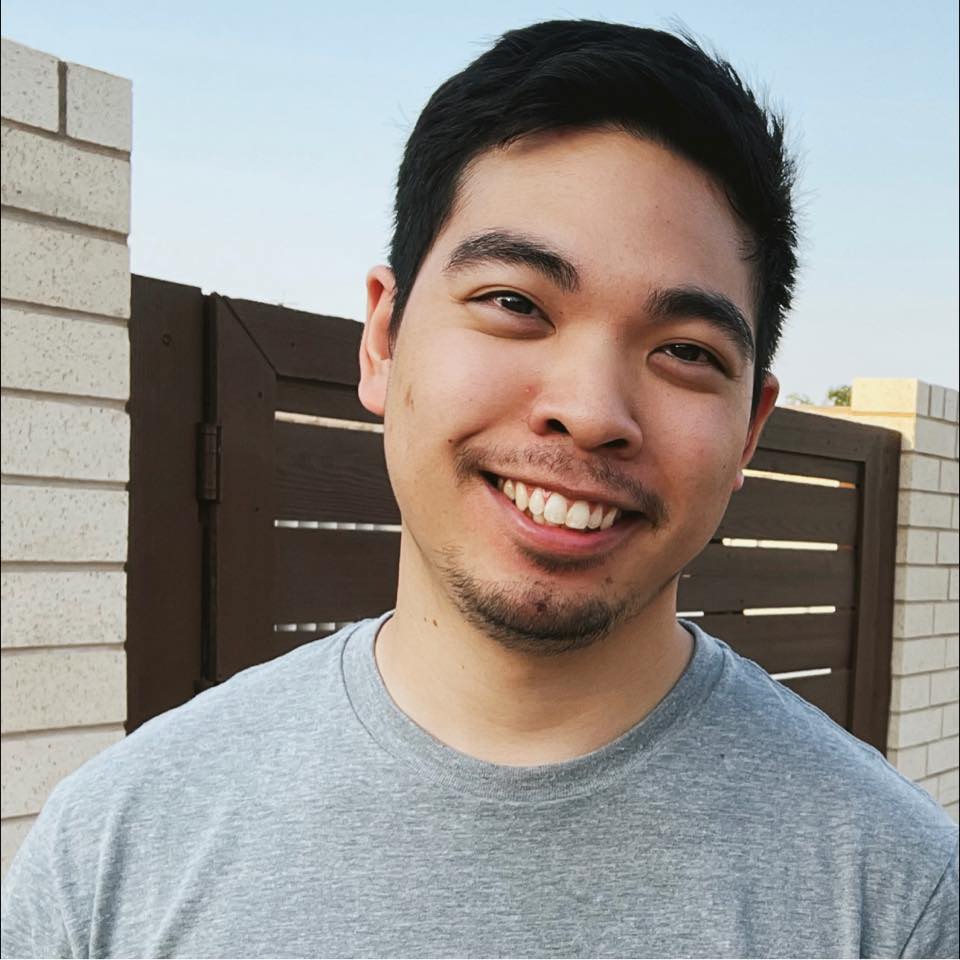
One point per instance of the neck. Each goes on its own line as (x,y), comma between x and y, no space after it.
(517,708)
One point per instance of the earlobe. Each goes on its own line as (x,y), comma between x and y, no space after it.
(769,392)
(375,345)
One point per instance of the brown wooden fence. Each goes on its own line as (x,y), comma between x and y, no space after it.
(261,516)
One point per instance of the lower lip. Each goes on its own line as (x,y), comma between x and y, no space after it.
(561,541)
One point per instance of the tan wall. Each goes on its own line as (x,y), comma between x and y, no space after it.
(923,740)
(65,380)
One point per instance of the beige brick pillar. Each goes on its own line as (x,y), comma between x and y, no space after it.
(65,380)
(923,740)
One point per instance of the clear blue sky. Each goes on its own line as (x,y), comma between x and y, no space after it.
(267,135)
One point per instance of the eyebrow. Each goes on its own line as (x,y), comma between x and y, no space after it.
(499,246)
(674,303)
(678,303)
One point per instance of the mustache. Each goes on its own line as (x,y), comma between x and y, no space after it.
(566,467)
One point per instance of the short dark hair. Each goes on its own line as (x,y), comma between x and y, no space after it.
(590,74)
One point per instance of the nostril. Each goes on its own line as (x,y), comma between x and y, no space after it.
(557,426)
(617,444)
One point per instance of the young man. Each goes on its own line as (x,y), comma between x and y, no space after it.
(594,250)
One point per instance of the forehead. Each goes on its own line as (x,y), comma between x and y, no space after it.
(626,211)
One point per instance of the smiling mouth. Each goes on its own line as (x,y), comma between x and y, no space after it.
(552,509)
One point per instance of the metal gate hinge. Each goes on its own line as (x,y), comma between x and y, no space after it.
(208,462)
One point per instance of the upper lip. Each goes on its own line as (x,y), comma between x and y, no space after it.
(571,493)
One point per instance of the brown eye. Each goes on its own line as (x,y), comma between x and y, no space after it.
(691,353)
(513,302)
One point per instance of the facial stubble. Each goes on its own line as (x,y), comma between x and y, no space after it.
(537,617)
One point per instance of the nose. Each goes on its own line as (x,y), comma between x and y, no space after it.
(585,394)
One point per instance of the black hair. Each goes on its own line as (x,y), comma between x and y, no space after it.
(589,74)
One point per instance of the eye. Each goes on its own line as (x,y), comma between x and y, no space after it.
(691,353)
(510,301)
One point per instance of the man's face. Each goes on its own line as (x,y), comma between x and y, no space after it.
(575,329)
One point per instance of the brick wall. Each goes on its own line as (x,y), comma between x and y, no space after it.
(65,380)
(923,739)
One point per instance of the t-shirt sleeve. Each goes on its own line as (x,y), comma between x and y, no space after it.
(937,932)
(32,905)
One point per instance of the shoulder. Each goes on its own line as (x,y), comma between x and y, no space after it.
(812,754)
(230,734)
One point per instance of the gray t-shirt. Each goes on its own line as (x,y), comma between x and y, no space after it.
(296,811)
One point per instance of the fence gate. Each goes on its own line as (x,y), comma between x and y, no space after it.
(262,516)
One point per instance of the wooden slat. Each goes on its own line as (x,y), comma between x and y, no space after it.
(725,579)
(333,575)
(831,693)
(782,461)
(307,346)
(785,642)
(811,434)
(322,400)
(332,475)
(164,573)
(777,510)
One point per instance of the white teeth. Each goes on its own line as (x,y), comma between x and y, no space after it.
(555,510)
(578,515)
(608,518)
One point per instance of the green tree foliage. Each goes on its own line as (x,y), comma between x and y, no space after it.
(839,396)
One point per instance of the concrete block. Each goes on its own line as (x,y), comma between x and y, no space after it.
(916,546)
(48,689)
(951,409)
(45,438)
(99,107)
(889,395)
(45,608)
(951,651)
(955,514)
(59,179)
(911,762)
(917,656)
(951,719)
(921,583)
(60,524)
(916,508)
(946,617)
(949,476)
(12,834)
(919,726)
(34,765)
(935,437)
(29,86)
(954,584)
(918,472)
(57,268)
(942,755)
(85,358)
(936,402)
(912,620)
(910,692)
(948,547)
(950,786)
(944,687)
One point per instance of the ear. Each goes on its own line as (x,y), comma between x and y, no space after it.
(769,391)
(375,349)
